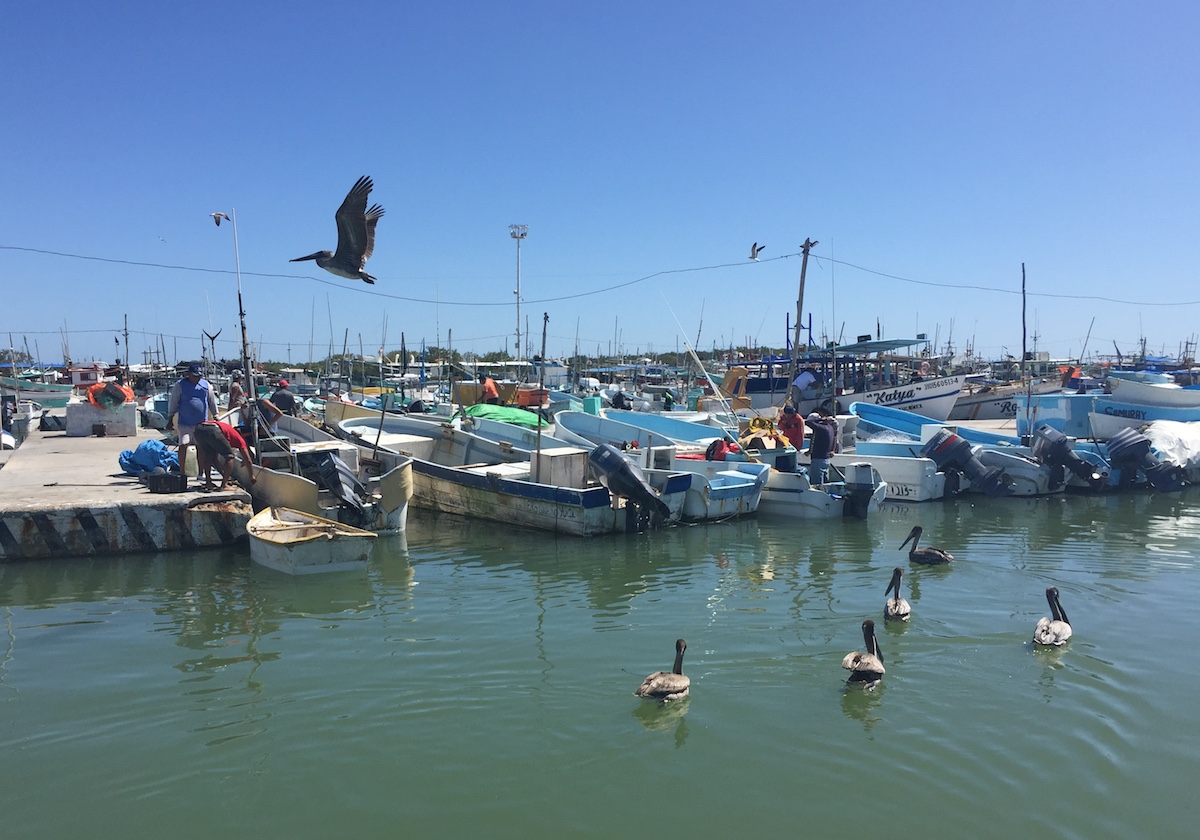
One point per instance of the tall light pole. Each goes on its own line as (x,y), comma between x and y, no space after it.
(252,388)
(518,232)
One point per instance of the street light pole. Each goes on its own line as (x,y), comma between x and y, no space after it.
(518,232)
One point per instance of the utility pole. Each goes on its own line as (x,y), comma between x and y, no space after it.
(808,245)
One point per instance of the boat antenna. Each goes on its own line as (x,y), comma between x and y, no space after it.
(805,248)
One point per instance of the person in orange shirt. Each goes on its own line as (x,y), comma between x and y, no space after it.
(491,394)
(791,426)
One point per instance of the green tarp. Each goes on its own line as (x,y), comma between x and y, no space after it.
(505,414)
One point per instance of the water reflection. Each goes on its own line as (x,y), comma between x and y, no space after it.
(862,704)
(663,717)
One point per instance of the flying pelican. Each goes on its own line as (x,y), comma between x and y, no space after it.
(928,556)
(667,685)
(1056,630)
(356,235)
(755,250)
(867,668)
(897,607)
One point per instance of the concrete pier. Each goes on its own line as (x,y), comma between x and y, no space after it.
(66,496)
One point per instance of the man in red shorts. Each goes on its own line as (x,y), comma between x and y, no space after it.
(215,443)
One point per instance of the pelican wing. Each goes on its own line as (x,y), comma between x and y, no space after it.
(863,663)
(1050,632)
(373,216)
(664,685)
(352,224)
(897,608)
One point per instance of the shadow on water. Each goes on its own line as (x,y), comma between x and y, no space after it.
(862,704)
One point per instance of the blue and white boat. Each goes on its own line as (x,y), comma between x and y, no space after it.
(787,494)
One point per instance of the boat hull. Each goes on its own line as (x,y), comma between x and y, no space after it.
(298,543)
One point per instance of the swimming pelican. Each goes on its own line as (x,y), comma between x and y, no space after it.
(867,667)
(755,250)
(1055,630)
(897,607)
(356,235)
(667,685)
(928,556)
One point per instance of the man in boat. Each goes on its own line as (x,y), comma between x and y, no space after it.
(284,399)
(822,443)
(804,385)
(236,392)
(215,443)
(192,402)
(490,393)
(791,426)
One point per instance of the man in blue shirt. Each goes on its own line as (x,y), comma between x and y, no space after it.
(192,402)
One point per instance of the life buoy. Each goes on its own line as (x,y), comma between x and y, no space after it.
(924,368)
(832,406)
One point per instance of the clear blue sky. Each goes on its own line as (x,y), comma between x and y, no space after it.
(930,148)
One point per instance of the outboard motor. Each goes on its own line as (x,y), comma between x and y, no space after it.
(1052,447)
(1129,449)
(860,486)
(329,472)
(626,479)
(951,452)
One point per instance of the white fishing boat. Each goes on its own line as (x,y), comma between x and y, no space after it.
(1159,394)
(299,543)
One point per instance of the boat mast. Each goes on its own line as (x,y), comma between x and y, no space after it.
(806,247)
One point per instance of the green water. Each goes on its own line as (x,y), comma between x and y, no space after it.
(478,681)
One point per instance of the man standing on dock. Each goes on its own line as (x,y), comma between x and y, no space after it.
(192,402)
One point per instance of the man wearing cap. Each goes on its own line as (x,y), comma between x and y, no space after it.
(284,399)
(237,393)
(192,402)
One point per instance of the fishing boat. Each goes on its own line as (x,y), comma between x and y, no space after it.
(1109,415)
(1159,394)
(786,494)
(49,394)
(299,543)
(559,489)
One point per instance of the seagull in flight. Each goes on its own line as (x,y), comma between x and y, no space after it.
(356,235)
(755,250)
(217,217)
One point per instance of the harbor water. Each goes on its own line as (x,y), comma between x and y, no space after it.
(478,681)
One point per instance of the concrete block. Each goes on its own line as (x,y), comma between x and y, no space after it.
(82,417)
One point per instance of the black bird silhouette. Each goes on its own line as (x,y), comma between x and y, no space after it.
(356,235)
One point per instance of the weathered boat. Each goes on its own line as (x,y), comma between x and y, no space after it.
(300,543)
(1159,394)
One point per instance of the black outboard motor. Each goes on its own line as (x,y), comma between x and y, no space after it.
(860,486)
(1052,447)
(625,479)
(951,452)
(1129,449)
(329,472)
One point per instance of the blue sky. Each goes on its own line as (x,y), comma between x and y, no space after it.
(929,148)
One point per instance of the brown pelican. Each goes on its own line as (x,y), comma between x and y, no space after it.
(667,685)
(897,607)
(356,235)
(1055,630)
(755,250)
(867,667)
(927,556)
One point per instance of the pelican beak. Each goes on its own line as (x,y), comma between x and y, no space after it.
(309,257)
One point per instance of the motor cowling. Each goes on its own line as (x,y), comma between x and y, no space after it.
(951,452)
(625,479)
(1129,449)
(1052,447)
(859,487)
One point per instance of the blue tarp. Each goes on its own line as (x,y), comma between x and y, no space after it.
(149,456)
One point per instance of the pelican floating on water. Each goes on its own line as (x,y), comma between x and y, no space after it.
(867,667)
(356,235)
(928,556)
(665,686)
(896,607)
(1055,630)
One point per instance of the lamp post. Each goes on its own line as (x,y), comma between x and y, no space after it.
(518,232)
(252,388)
